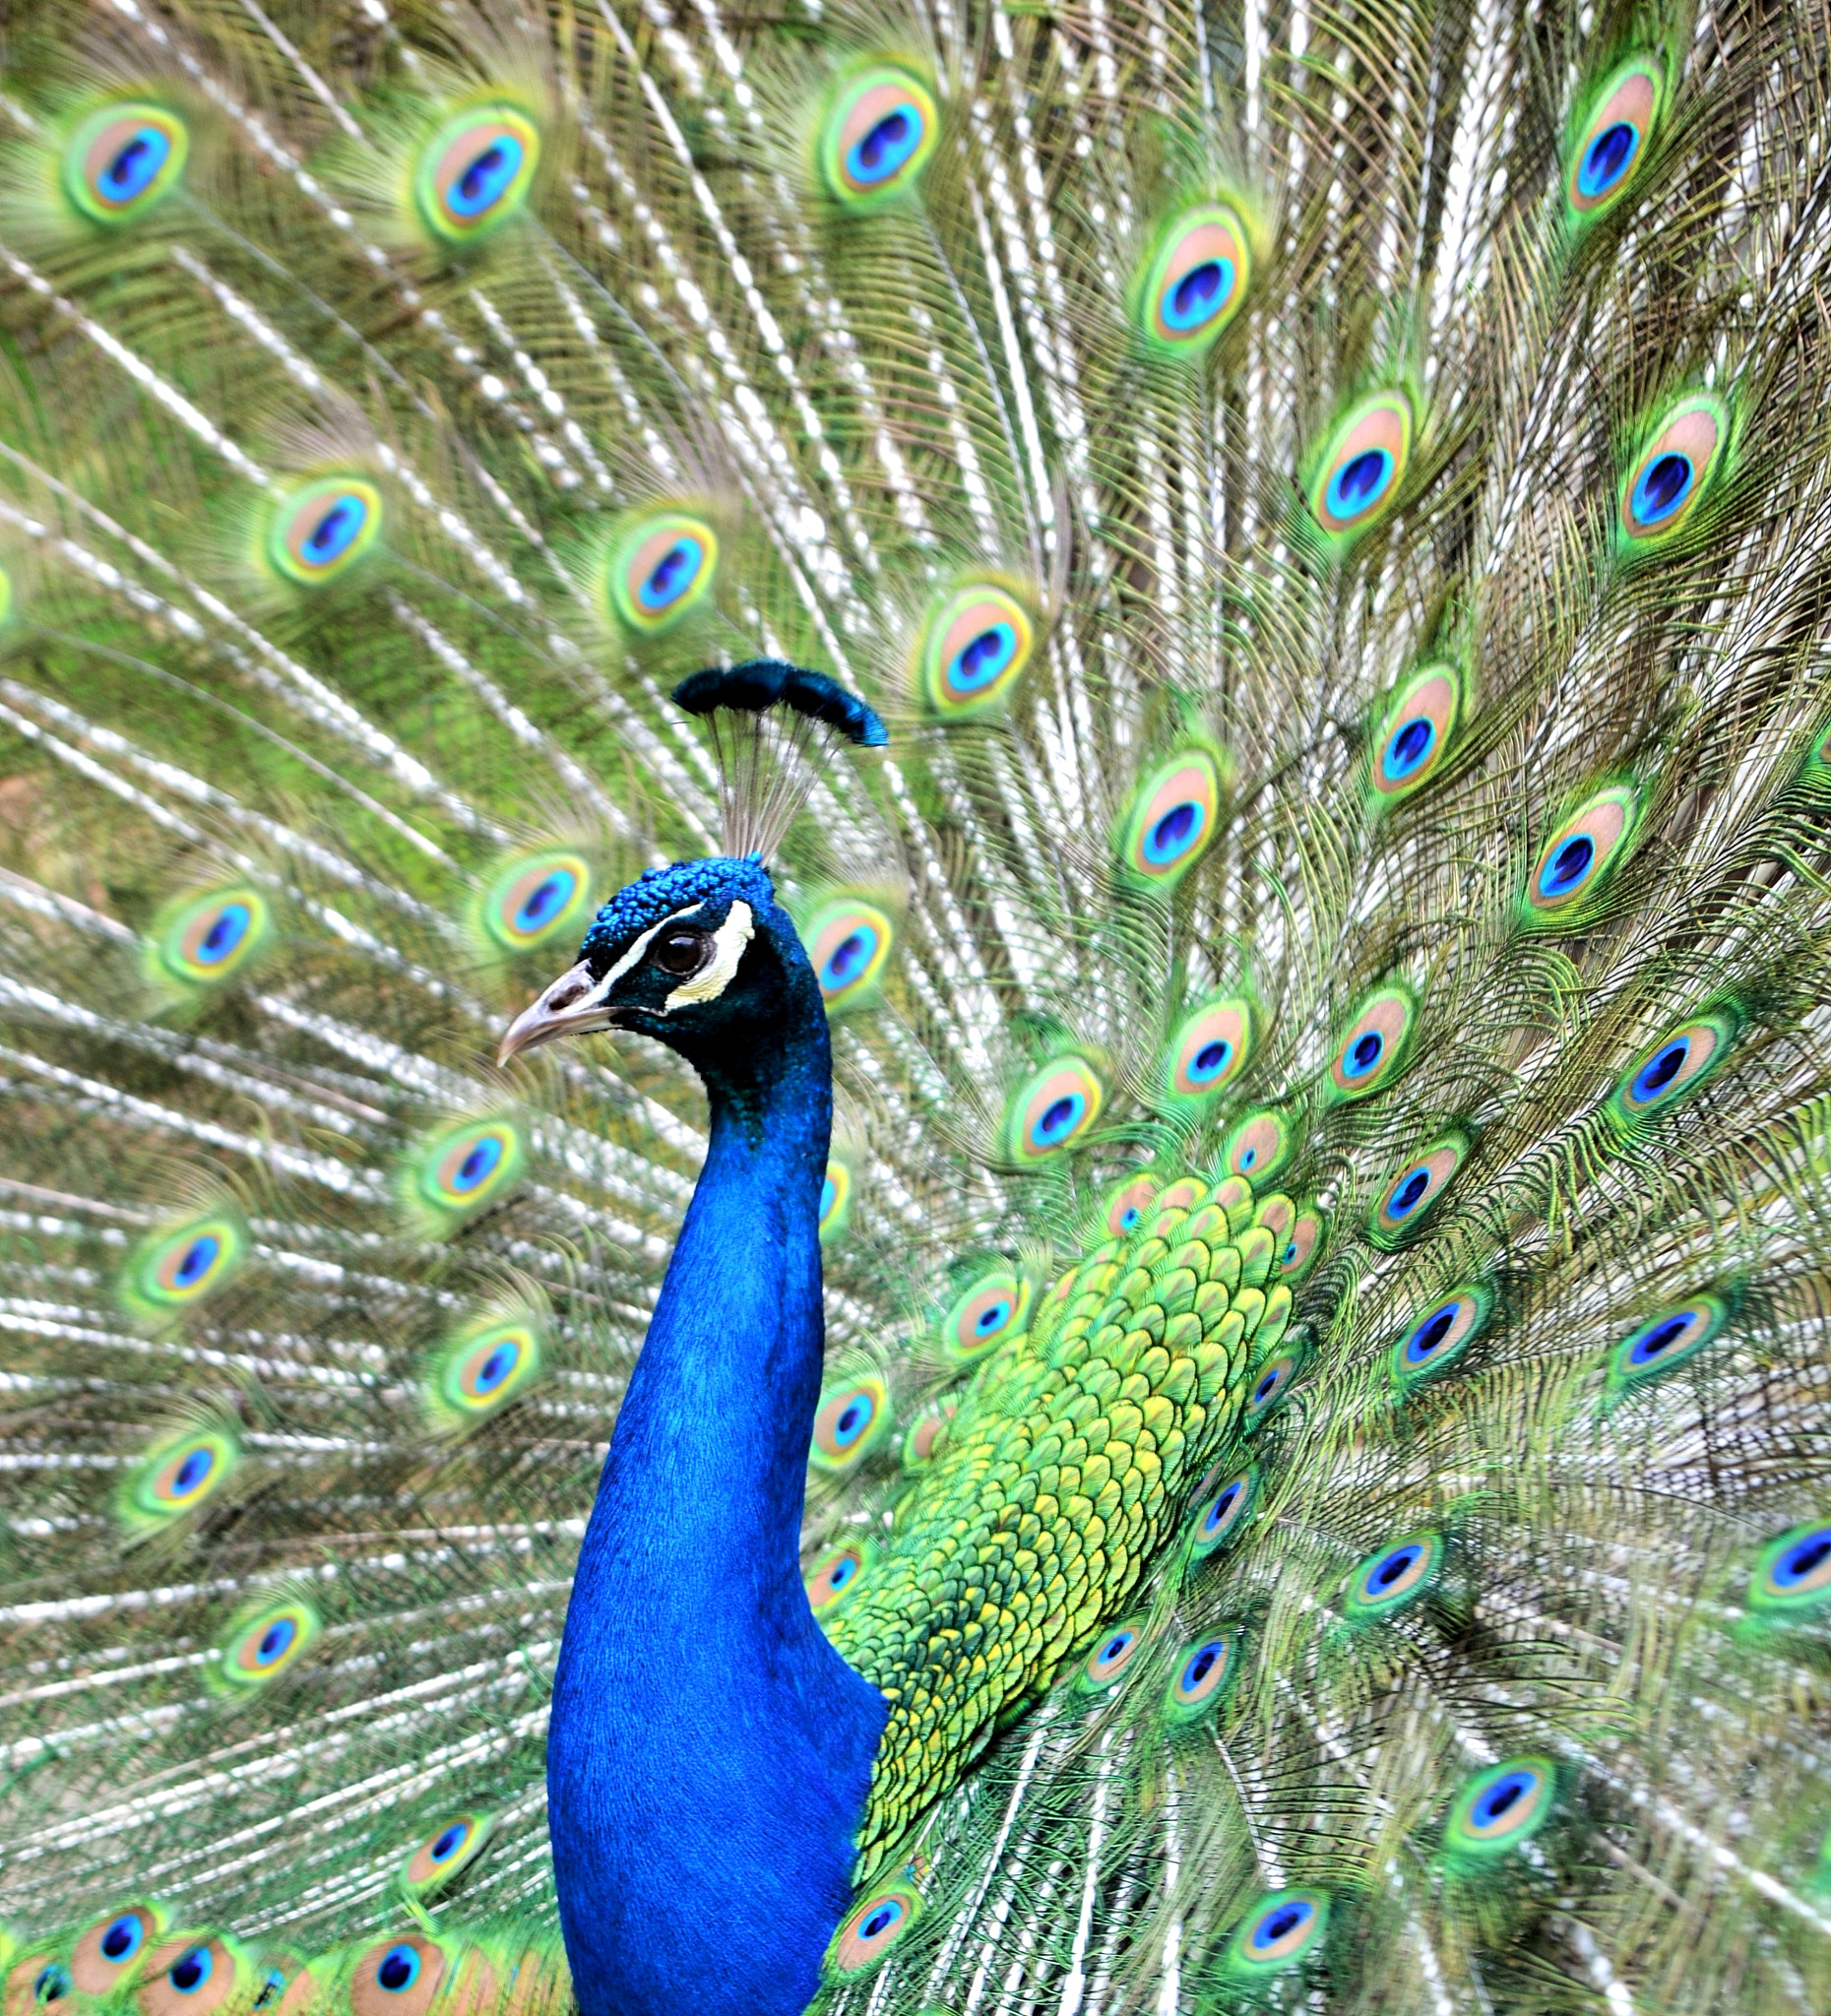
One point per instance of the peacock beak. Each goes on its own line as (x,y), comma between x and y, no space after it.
(573,1004)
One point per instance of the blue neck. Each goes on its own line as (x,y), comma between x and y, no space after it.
(710,1753)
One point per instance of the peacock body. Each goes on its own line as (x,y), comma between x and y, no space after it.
(1154,676)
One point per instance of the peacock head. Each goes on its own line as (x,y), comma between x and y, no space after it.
(699,956)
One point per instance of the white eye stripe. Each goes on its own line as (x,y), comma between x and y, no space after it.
(641,945)
(727,942)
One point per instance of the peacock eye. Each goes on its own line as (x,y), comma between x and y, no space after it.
(681,953)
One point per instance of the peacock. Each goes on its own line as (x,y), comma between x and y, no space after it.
(915,1008)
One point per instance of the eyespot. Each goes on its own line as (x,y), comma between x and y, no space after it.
(1259,1145)
(1439,1338)
(854,1418)
(974,651)
(535,898)
(172,1270)
(1221,1514)
(324,527)
(476,173)
(1795,1570)
(266,1642)
(1174,818)
(1415,731)
(849,945)
(1269,1386)
(397,1976)
(927,1433)
(1394,1577)
(178,1474)
(1611,144)
(1053,1110)
(468,1166)
(878,137)
(1280,1930)
(1114,1650)
(869,1930)
(482,1369)
(1672,1068)
(110,1950)
(1303,1245)
(1673,469)
(1581,855)
(1126,1208)
(1650,1351)
(1211,1048)
(1374,1047)
(188,1977)
(1412,1194)
(1362,466)
(1197,280)
(47,1984)
(453,1845)
(203,940)
(836,1574)
(991,1312)
(835,1200)
(122,160)
(1500,1808)
(1202,1678)
(663,566)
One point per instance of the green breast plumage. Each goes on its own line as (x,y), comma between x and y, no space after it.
(1071,1463)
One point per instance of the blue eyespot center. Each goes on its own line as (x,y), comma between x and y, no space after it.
(1409,1194)
(189,1479)
(478,1164)
(979,662)
(849,959)
(487,179)
(1567,866)
(449,1843)
(1358,483)
(854,1419)
(1663,485)
(275,1640)
(1279,1923)
(198,1260)
(1220,1511)
(1268,1385)
(994,1318)
(1060,1117)
(545,900)
(1660,1339)
(1129,1217)
(1501,1797)
(828,1195)
(227,932)
(1608,158)
(672,575)
(1430,1333)
(843,1572)
(1247,1157)
(398,1969)
(881,1920)
(1362,1054)
(496,1367)
(51,1986)
(1409,748)
(121,1941)
(1211,1060)
(1659,1071)
(1198,297)
(1388,1570)
(1199,1668)
(1175,832)
(192,1967)
(1802,1558)
(885,148)
(335,531)
(131,171)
